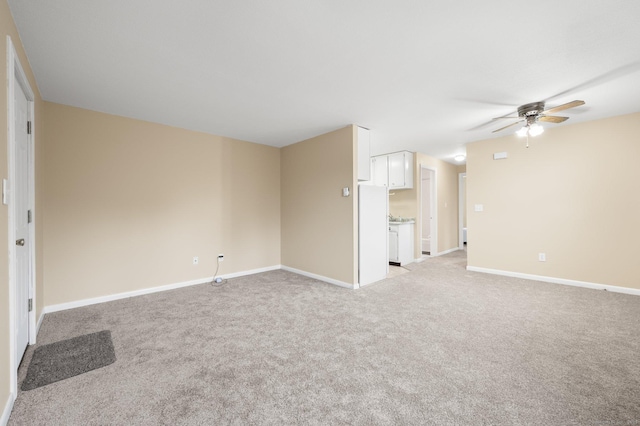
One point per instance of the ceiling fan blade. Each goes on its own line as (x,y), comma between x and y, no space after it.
(480,126)
(601,79)
(553,118)
(512,124)
(568,105)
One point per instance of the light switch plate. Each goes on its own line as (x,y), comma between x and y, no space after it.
(345,192)
(478,207)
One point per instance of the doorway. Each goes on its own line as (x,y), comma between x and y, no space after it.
(20,199)
(462,210)
(428,212)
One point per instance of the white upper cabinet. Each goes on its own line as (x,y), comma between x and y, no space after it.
(380,170)
(401,170)
(364,154)
(394,171)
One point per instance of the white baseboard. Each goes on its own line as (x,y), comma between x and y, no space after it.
(320,278)
(563,281)
(39,323)
(250,272)
(442,253)
(117,296)
(8,406)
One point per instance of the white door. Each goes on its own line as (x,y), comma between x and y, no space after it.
(21,197)
(462,209)
(426,212)
(429,210)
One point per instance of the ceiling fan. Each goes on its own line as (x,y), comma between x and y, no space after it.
(531,113)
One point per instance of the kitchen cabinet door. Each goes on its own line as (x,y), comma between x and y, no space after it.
(379,169)
(401,243)
(364,155)
(393,245)
(400,170)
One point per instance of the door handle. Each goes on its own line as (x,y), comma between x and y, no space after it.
(20,242)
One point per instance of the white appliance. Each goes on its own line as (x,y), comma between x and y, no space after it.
(373,222)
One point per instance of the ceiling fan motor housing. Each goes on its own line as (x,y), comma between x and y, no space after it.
(531,111)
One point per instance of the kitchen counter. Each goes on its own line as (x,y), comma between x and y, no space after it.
(398,220)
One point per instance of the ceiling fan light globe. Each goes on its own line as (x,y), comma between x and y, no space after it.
(522,132)
(536,130)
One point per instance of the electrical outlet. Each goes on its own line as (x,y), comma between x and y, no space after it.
(195,260)
(542,257)
(220,257)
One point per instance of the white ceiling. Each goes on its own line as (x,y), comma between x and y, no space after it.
(423,75)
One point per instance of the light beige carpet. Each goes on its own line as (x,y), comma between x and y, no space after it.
(436,345)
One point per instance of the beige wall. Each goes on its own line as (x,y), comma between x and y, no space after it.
(318,223)
(406,202)
(7,27)
(572,195)
(130,203)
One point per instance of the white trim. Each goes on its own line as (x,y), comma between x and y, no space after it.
(39,322)
(118,296)
(320,278)
(13,370)
(462,205)
(251,272)
(442,253)
(6,413)
(33,332)
(563,281)
(125,295)
(15,73)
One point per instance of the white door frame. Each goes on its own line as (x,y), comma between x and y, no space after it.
(462,205)
(16,74)
(434,210)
